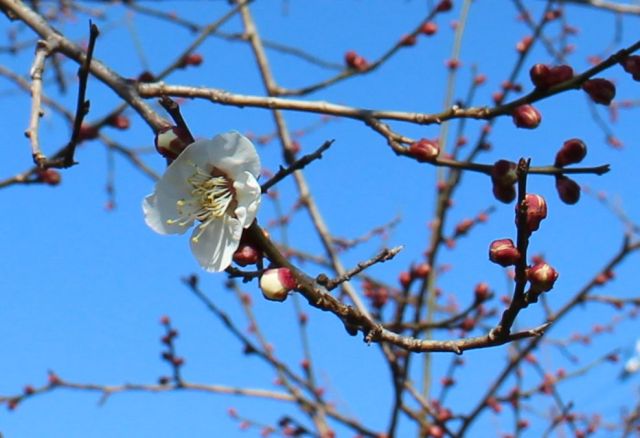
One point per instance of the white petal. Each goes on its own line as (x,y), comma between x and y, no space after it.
(216,245)
(231,152)
(156,217)
(248,195)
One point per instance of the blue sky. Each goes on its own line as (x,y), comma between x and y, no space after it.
(83,288)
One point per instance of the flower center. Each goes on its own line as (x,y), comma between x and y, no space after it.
(212,197)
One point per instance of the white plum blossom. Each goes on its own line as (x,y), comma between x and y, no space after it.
(212,183)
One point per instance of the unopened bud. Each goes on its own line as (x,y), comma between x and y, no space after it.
(444,6)
(572,151)
(504,252)
(524,44)
(355,61)
(526,116)
(600,90)
(482,291)
(87,132)
(276,283)
(504,172)
(429,28)
(568,190)
(424,150)
(192,59)
(49,176)
(542,277)
(544,76)
(631,65)
(421,270)
(119,121)
(408,40)
(246,255)
(536,211)
(171,141)
(504,194)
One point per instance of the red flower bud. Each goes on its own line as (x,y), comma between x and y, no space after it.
(421,270)
(526,116)
(171,141)
(542,277)
(504,173)
(424,150)
(87,132)
(536,211)
(504,252)
(276,283)
(194,59)
(119,121)
(463,227)
(573,151)
(481,291)
(405,279)
(408,40)
(429,28)
(355,61)
(49,176)
(444,6)
(568,190)
(600,90)
(504,194)
(146,76)
(631,65)
(524,44)
(544,76)
(246,255)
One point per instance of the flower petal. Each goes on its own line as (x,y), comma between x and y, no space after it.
(215,246)
(231,152)
(248,195)
(156,216)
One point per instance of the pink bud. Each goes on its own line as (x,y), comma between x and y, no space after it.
(276,283)
(526,116)
(429,28)
(408,40)
(600,90)
(524,44)
(355,61)
(542,277)
(424,150)
(49,176)
(573,151)
(482,291)
(544,76)
(536,211)
(568,190)
(119,121)
(246,255)
(405,279)
(171,141)
(421,270)
(192,59)
(504,252)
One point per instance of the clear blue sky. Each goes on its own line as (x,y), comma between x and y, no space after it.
(83,288)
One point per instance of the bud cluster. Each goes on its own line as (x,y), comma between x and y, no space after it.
(544,76)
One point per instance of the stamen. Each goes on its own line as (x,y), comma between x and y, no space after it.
(212,197)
